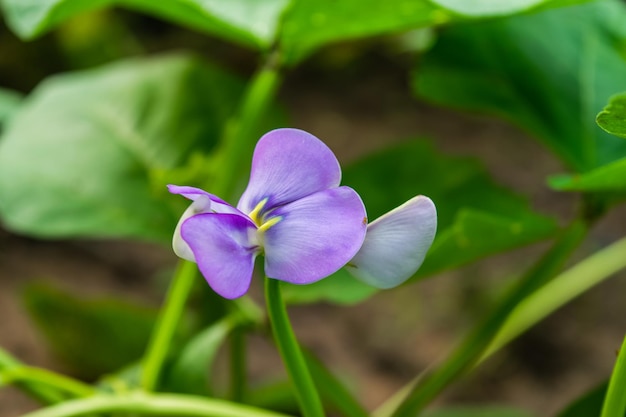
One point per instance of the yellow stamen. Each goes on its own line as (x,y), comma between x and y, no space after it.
(254,214)
(271,222)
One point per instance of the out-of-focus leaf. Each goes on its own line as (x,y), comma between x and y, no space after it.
(477,412)
(91,336)
(484,8)
(79,156)
(307,25)
(615,400)
(588,405)
(476,217)
(610,177)
(550,73)
(191,370)
(250,22)
(339,288)
(613,117)
(9,101)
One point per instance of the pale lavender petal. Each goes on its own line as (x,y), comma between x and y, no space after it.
(396,244)
(216,204)
(223,250)
(316,236)
(289,164)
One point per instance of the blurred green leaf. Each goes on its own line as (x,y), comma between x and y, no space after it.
(550,73)
(307,25)
(588,405)
(190,371)
(339,288)
(91,336)
(250,22)
(9,102)
(615,400)
(476,217)
(477,412)
(79,156)
(613,117)
(483,8)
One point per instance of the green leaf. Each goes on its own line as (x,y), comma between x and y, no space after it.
(9,102)
(476,217)
(477,412)
(589,405)
(191,370)
(308,25)
(91,336)
(484,8)
(610,177)
(615,400)
(549,73)
(250,22)
(613,117)
(80,156)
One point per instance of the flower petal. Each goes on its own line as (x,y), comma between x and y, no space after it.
(203,202)
(396,244)
(316,236)
(289,164)
(221,246)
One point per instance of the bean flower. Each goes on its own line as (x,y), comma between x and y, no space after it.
(307,226)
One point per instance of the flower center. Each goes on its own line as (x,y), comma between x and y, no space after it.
(259,218)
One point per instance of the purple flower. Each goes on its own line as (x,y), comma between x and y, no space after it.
(293,212)
(395,244)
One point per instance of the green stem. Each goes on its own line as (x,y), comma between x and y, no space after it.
(167,324)
(152,404)
(476,342)
(305,390)
(44,394)
(29,374)
(615,400)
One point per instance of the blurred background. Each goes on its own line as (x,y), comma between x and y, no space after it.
(356,97)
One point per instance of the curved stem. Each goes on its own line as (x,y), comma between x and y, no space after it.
(29,374)
(477,341)
(307,395)
(615,400)
(167,324)
(152,404)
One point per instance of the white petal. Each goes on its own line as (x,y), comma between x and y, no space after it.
(396,243)
(201,204)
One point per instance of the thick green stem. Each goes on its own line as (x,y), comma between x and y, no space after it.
(167,324)
(305,390)
(477,341)
(30,375)
(152,404)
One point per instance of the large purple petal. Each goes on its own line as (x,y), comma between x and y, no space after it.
(289,164)
(222,247)
(396,244)
(316,236)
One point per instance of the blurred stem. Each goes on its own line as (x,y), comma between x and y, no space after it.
(615,400)
(167,324)
(152,404)
(470,350)
(237,364)
(29,375)
(43,393)
(305,390)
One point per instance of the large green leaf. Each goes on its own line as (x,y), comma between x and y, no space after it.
(251,22)
(92,337)
(483,8)
(9,102)
(476,217)
(307,25)
(78,157)
(550,73)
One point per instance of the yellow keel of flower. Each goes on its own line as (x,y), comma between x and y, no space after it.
(261,224)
